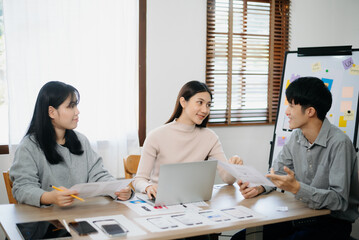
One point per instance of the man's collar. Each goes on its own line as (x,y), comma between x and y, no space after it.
(322,136)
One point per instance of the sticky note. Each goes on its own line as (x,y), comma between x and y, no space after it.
(349,116)
(288,82)
(345,106)
(348,63)
(328,82)
(316,67)
(294,77)
(354,70)
(342,122)
(347,92)
(280,141)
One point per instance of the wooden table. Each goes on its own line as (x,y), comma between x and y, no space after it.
(224,196)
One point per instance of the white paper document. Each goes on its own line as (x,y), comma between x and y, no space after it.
(241,213)
(173,221)
(246,174)
(143,208)
(100,188)
(192,218)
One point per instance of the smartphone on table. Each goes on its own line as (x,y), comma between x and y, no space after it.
(82,228)
(111,227)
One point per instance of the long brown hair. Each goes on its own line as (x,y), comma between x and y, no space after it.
(187,91)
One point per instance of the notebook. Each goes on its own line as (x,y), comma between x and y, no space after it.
(185,182)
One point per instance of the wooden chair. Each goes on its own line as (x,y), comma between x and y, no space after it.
(8,185)
(130,164)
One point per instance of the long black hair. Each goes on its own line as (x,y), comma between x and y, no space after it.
(187,91)
(53,94)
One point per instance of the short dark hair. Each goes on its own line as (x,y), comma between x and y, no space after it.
(310,92)
(187,91)
(41,129)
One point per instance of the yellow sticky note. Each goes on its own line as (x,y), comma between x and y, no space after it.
(288,82)
(316,67)
(345,106)
(342,122)
(354,70)
(347,92)
(349,116)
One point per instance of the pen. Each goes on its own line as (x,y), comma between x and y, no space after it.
(59,189)
(146,208)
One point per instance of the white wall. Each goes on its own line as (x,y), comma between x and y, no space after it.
(324,23)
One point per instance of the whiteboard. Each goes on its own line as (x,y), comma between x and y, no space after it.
(340,73)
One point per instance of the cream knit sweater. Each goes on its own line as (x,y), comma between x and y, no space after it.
(177,143)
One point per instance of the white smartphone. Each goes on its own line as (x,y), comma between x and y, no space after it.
(111,227)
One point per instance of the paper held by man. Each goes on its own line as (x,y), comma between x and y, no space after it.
(246,174)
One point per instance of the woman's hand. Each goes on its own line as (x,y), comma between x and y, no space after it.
(124,194)
(151,191)
(60,198)
(236,160)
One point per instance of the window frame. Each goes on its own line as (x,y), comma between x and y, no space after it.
(278,45)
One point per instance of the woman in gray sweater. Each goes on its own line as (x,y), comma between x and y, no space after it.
(52,153)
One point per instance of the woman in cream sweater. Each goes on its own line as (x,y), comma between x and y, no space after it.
(184,138)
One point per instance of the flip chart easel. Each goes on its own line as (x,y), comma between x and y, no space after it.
(338,68)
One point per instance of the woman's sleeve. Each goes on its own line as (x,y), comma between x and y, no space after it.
(24,174)
(146,165)
(217,153)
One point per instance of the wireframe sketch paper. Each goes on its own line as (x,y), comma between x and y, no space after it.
(100,188)
(246,174)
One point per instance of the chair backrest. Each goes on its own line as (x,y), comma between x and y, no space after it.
(130,164)
(8,185)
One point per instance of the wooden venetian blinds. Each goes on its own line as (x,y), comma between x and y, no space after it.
(246,44)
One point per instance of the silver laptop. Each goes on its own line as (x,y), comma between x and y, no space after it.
(185,182)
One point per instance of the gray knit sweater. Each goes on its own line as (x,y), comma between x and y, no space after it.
(32,174)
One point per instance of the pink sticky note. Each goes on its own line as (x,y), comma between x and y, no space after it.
(347,92)
(280,141)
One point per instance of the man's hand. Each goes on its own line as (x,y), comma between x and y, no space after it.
(249,192)
(285,182)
